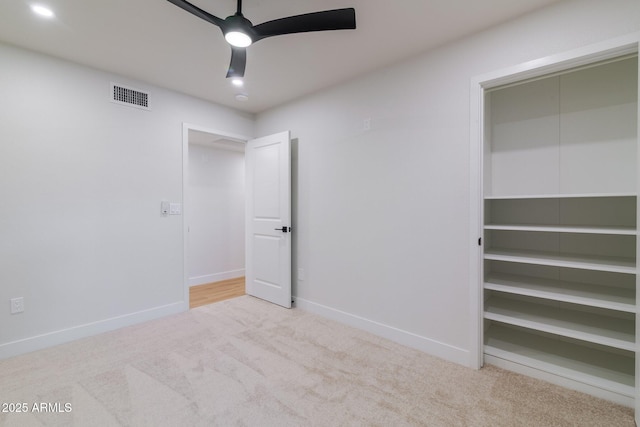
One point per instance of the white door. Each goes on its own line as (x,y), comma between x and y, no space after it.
(268,228)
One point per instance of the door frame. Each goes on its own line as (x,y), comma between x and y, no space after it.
(186,127)
(534,69)
(608,49)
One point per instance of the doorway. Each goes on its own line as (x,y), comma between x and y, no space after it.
(214,206)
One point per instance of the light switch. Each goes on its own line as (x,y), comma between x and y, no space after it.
(175,208)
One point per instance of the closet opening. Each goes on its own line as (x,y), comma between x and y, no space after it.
(555,158)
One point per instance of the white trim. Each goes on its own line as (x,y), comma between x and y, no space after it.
(409,339)
(62,336)
(186,127)
(215,277)
(637,353)
(476,221)
(560,62)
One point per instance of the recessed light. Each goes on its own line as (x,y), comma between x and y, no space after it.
(242,97)
(237,81)
(41,10)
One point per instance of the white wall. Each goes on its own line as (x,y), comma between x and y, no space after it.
(81,180)
(381,216)
(215,214)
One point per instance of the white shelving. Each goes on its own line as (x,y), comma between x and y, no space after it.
(527,294)
(582,229)
(556,196)
(592,365)
(560,226)
(563,320)
(586,262)
(592,295)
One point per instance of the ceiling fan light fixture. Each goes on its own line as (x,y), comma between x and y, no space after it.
(238,39)
(240,33)
(41,10)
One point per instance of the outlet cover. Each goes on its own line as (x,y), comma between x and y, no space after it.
(17,305)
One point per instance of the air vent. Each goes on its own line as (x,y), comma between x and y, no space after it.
(128,96)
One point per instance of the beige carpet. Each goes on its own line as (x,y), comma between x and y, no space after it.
(244,362)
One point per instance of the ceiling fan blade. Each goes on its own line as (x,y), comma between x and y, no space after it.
(338,19)
(238,62)
(194,10)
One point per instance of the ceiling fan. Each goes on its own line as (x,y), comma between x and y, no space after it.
(241,33)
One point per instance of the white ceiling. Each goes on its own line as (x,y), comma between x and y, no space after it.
(156,42)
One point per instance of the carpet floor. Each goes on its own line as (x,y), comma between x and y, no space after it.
(244,362)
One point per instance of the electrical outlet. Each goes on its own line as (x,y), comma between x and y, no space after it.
(366,124)
(301,274)
(164,208)
(17,305)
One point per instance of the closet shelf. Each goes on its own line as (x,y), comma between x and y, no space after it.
(591,327)
(607,297)
(589,365)
(559,196)
(624,231)
(580,261)
(560,221)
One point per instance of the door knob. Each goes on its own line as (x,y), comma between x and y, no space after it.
(283,229)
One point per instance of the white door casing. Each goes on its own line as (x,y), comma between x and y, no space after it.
(268,216)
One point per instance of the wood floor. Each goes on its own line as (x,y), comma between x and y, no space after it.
(214,292)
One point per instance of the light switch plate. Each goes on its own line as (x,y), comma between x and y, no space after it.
(17,305)
(175,208)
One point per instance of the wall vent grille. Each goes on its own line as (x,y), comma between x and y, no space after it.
(128,96)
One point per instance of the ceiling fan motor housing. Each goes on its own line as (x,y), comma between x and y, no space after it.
(238,30)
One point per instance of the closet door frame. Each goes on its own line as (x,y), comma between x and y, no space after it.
(602,51)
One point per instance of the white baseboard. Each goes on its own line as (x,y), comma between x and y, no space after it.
(409,339)
(50,339)
(215,277)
